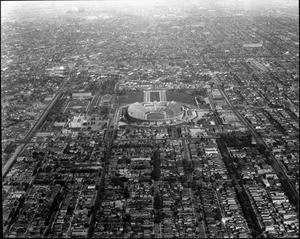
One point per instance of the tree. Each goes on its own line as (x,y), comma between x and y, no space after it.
(127,218)
(115,181)
(124,179)
(10,148)
(157,202)
(104,110)
(155,174)
(218,216)
(126,193)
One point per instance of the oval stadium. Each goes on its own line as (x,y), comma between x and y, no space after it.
(155,111)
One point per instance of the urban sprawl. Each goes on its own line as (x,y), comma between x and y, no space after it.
(150,121)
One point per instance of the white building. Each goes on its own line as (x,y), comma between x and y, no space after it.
(83,95)
(77,121)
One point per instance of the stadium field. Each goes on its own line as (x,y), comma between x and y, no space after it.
(155,116)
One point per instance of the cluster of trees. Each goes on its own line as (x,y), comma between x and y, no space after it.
(142,144)
(200,100)
(118,181)
(157,202)
(264,151)
(108,85)
(126,192)
(57,107)
(92,87)
(278,126)
(37,156)
(52,211)
(121,92)
(249,213)
(10,148)
(155,160)
(103,110)
(217,118)
(13,121)
(199,92)
(291,113)
(217,214)
(37,168)
(124,160)
(122,182)
(175,131)
(15,211)
(188,166)
(158,206)
(238,140)
(228,161)
(289,192)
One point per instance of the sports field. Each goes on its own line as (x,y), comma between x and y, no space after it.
(76,106)
(130,97)
(155,116)
(180,97)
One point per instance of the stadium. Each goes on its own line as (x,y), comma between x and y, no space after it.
(155,111)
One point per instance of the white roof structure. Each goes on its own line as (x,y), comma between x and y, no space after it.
(77,121)
(83,95)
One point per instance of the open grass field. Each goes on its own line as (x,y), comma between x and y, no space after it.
(154,96)
(130,97)
(180,97)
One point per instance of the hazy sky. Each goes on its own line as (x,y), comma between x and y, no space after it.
(5,5)
(12,9)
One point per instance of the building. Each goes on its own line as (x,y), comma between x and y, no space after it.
(105,100)
(83,95)
(77,121)
(251,45)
